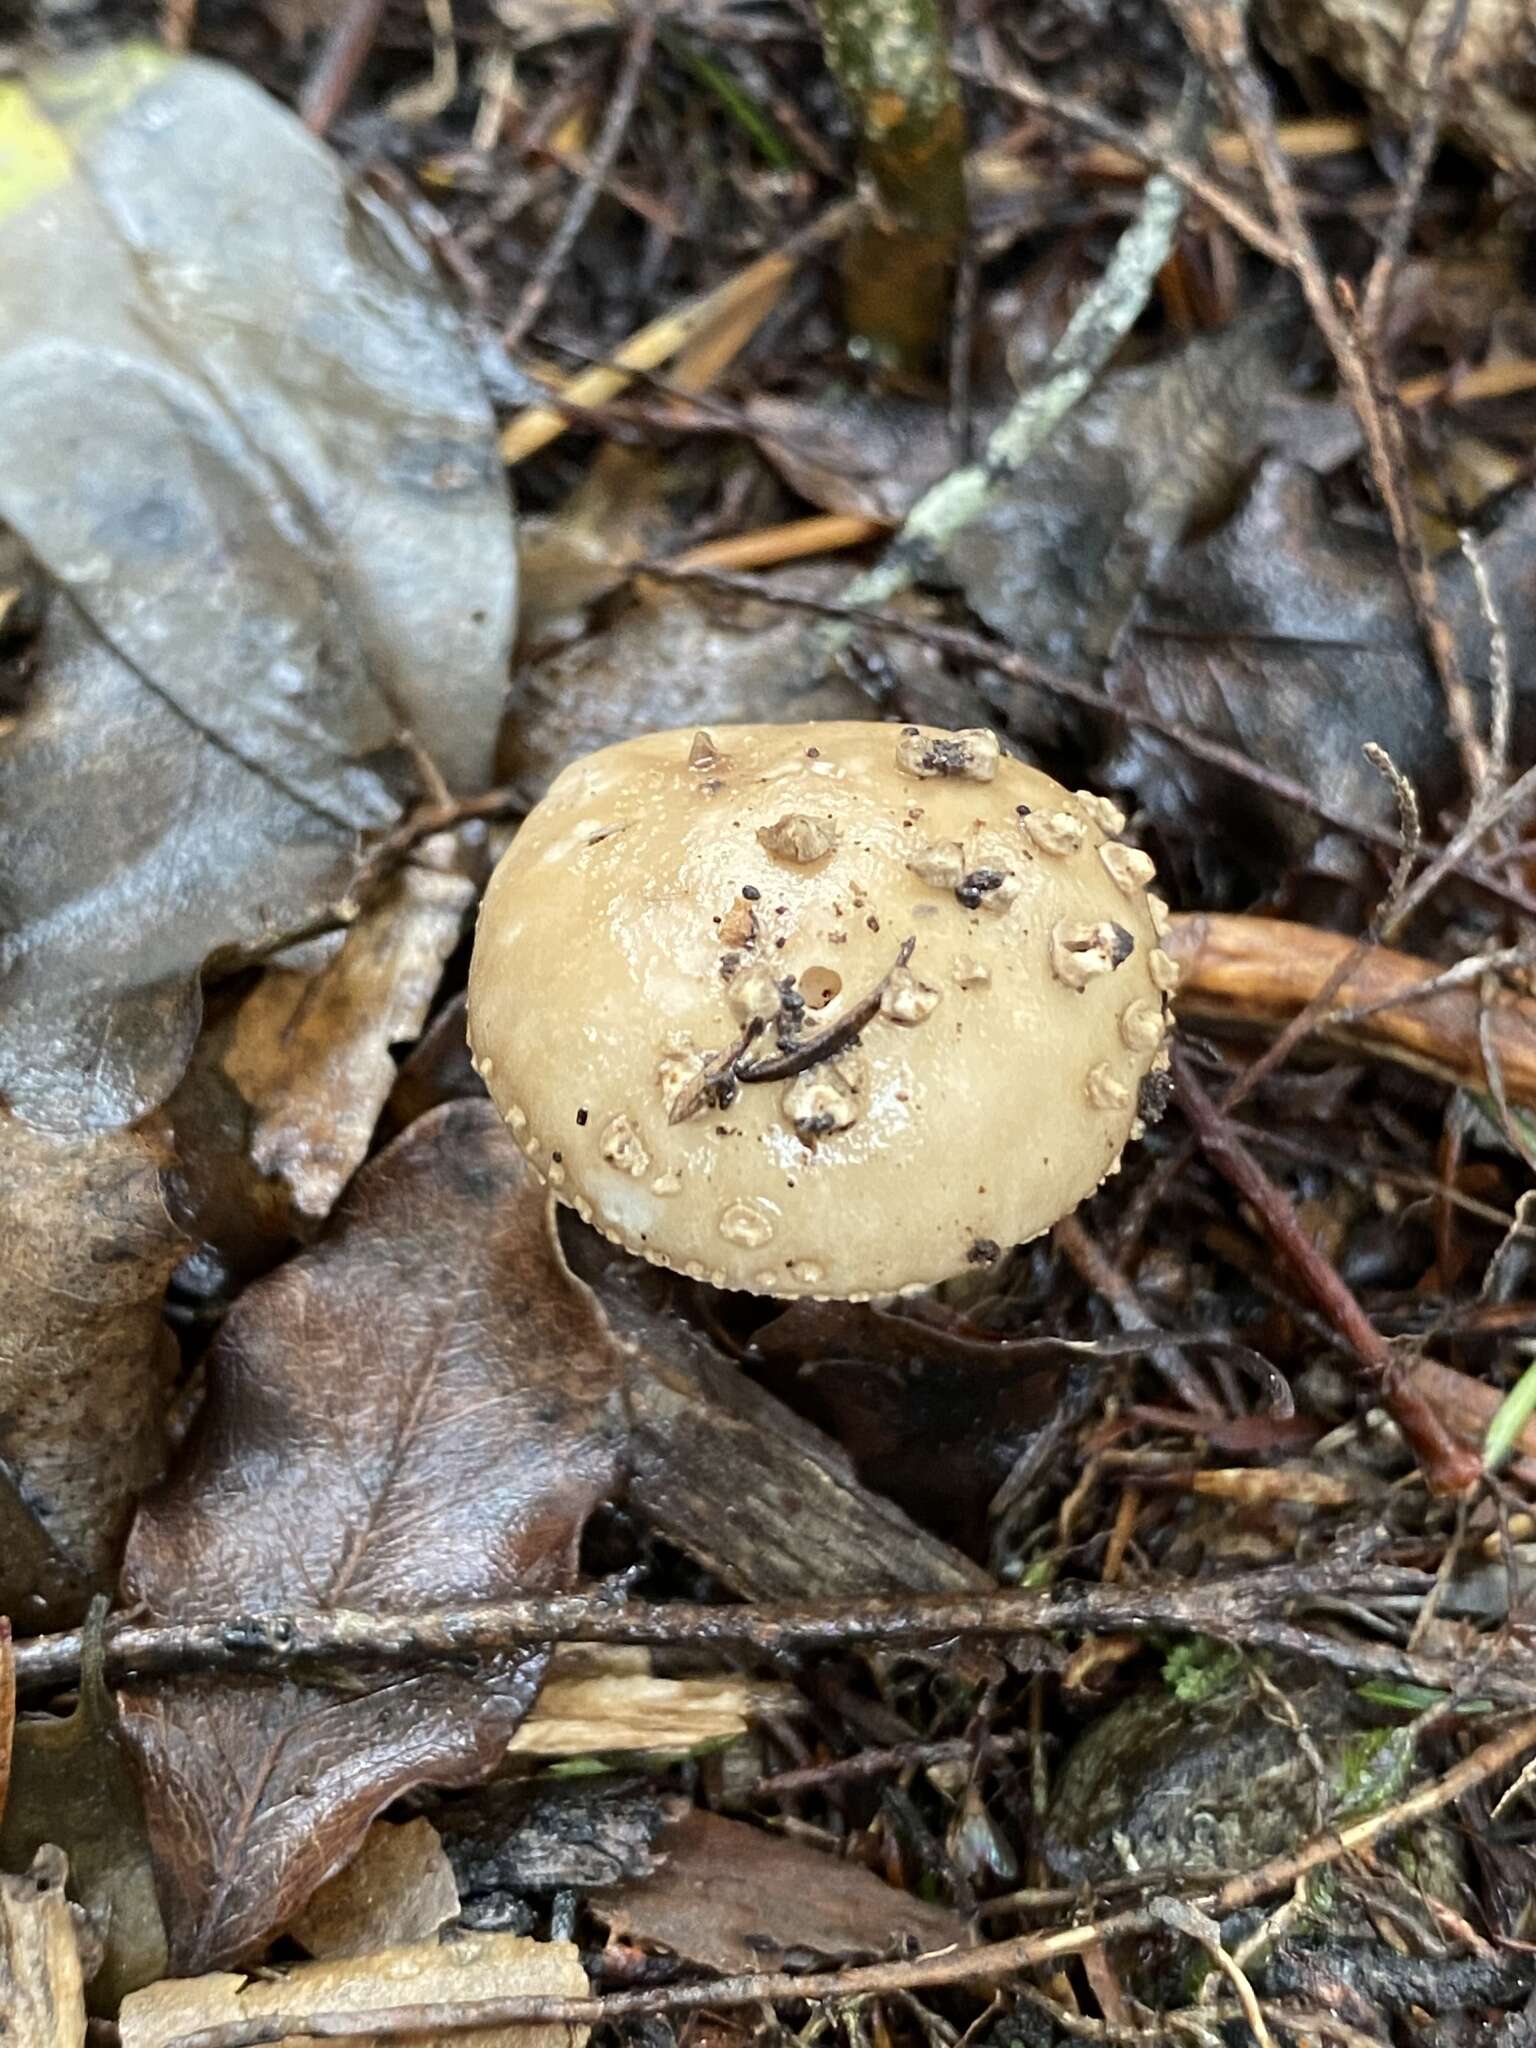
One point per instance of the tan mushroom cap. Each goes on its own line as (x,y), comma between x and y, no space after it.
(995,937)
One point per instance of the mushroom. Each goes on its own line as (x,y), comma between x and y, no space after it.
(837,1010)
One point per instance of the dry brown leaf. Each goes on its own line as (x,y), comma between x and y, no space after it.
(731,1897)
(415,1413)
(479,1966)
(42,1994)
(310,1051)
(89,1245)
(397,1889)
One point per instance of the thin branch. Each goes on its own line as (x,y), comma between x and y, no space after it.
(346,50)
(1246,1610)
(637,55)
(1448,1465)
(1423,141)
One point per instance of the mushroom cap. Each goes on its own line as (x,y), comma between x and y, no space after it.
(662,901)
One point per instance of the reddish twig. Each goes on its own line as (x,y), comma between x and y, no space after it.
(1423,141)
(345,52)
(1448,1465)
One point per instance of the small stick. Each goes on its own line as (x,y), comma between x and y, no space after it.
(1423,141)
(335,73)
(1448,1465)
(826,1045)
(637,55)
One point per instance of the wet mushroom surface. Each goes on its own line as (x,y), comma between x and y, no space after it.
(834,1009)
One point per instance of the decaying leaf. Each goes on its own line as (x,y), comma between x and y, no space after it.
(72,1784)
(280,1102)
(397,1889)
(414,1413)
(669,661)
(88,1248)
(42,2002)
(480,1966)
(731,1897)
(1288,633)
(245,436)
(547,1834)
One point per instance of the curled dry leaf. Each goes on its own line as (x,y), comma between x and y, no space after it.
(481,1966)
(731,1897)
(279,1104)
(284,538)
(89,1246)
(415,1413)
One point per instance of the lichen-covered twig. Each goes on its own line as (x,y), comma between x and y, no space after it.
(1101,322)
(891,58)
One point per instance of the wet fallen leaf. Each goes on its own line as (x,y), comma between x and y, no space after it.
(89,1245)
(415,1413)
(42,2000)
(397,1889)
(731,1897)
(1288,633)
(480,1966)
(311,467)
(72,1784)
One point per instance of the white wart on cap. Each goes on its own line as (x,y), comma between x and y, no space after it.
(835,1010)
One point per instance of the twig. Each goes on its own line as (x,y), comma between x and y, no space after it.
(1093,334)
(1448,1465)
(1500,678)
(637,54)
(1216,32)
(1246,1610)
(892,61)
(346,50)
(1106,1278)
(1197,183)
(1482,819)
(1423,141)
(989,1962)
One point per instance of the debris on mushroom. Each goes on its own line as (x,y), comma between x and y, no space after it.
(881,1005)
(798,837)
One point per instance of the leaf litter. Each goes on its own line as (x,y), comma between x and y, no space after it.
(263,613)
